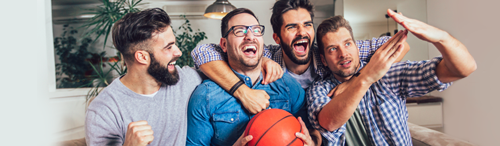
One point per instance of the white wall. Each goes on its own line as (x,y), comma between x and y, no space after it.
(471,105)
(23,74)
(415,9)
(261,8)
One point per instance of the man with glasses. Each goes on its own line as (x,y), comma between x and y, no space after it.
(292,23)
(215,117)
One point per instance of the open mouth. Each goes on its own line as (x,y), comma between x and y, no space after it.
(345,64)
(301,46)
(171,65)
(249,50)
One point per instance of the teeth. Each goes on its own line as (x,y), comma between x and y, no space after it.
(346,62)
(250,47)
(304,41)
(172,63)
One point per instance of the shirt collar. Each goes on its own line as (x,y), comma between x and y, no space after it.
(246,79)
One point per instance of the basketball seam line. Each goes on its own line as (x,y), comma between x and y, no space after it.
(295,137)
(271,127)
(251,123)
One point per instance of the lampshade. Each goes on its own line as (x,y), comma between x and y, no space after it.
(218,9)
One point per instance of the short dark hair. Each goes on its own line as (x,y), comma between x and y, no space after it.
(133,30)
(283,6)
(332,24)
(224,24)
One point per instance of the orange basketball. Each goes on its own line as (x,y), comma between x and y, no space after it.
(274,127)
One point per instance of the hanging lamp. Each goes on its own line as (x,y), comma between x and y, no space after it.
(218,9)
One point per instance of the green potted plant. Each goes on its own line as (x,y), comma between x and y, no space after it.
(101,25)
(187,40)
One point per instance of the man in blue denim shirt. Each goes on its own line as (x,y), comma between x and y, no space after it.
(215,117)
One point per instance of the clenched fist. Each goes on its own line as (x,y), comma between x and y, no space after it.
(139,133)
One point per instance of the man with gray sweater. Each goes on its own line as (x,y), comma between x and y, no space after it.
(150,101)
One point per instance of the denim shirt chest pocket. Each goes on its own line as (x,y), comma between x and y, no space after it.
(227,126)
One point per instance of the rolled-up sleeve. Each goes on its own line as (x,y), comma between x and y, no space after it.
(415,78)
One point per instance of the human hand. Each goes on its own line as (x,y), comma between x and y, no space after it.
(271,71)
(383,58)
(418,28)
(138,134)
(304,136)
(253,100)
(243,140)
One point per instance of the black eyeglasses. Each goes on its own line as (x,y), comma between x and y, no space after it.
(242,30)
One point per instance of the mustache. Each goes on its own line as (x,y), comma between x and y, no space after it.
(249,43)
(176,58)
(300,38)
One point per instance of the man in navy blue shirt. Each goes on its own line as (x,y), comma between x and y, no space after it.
(215,117)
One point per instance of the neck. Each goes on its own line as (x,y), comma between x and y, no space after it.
(139,81)
(342,79)
(252,72)
(296,68)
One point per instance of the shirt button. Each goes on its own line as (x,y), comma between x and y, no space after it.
(247,79)
(232,119)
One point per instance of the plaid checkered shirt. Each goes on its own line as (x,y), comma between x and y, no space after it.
(383,107)
(205,53)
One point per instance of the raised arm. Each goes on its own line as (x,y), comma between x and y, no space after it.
(340,108)
(457,62)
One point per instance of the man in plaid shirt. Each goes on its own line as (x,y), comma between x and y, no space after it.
(371,96)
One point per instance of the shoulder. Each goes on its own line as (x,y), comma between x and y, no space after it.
(188,75)
(288,80)
(203,90)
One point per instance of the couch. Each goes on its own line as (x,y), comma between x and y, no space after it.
(421,136)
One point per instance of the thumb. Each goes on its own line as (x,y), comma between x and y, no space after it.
(246,139)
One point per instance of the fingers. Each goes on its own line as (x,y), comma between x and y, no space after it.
(398,17)
(246,139)
(272,73)
(243,140)
(398,47)
(139,133)
(304,136)
(303,125)
(267,73)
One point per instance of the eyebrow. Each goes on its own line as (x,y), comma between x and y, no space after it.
(169,44)
(347,40)
(291,24)
(308,22)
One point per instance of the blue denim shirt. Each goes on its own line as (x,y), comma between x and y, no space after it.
(217,118)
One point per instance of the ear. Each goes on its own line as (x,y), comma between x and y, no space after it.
(142,57)
(323,60)
(276,38)
(223,43)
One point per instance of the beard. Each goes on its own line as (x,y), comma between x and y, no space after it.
(161,73)
(240,58)
(289,51)
(349,72)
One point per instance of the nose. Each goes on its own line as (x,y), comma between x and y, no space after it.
(177,52)
(301,31)
(249,36)
(342,52)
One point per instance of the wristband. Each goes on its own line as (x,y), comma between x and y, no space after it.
(235,87)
